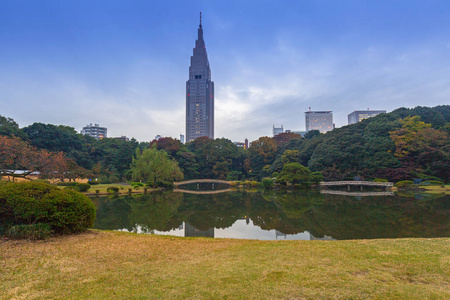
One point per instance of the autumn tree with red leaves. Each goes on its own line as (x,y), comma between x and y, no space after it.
(16,154)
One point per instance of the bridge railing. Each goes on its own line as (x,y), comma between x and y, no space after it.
(201,181)
(358,183)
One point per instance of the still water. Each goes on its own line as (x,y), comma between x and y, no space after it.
(271,215)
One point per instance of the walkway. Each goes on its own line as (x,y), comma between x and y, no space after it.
(201,181)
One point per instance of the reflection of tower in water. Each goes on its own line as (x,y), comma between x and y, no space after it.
(191,231)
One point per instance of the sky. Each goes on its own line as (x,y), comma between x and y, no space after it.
(124,64)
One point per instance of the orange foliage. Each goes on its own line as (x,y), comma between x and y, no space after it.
(16,154)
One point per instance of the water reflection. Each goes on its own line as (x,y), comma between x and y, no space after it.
(277,215)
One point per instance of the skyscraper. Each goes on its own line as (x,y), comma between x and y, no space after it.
(199,93)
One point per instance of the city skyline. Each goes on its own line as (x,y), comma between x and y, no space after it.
(124,66)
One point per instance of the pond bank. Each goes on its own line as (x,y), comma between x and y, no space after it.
(103,264)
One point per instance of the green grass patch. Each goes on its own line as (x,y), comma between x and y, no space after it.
(99,265)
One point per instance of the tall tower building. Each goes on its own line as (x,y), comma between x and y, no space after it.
(199,93)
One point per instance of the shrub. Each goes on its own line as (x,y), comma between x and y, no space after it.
(37,231)
(246,183)
(93,182)
(432,182)
(65,211)
(254,183)
(234,183)
(114,179)
(83,187)
(66,184)
(113,189)
(380,180)
(74,188)
(404,183)
(267,183)
(165,184)
(149,184)
(136,184)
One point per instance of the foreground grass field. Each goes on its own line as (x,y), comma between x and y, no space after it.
(112,265)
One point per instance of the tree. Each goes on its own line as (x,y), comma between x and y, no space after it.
(168,144)
(261,153)
(293,173)
(285,137)
(290,156)
(425,148)
(154,165)
(316,177)
(8,127)
(311,134)
(16,154)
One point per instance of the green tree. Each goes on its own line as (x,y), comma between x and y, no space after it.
(8,127)
(290,156)
(261,153)
(293,173)
(154,165)
(316,177)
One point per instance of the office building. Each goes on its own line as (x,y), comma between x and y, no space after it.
(242,144)
(276,130)
(123,138)
(359,115)
(182,138)
(199,93)
(95,131)
(319,120)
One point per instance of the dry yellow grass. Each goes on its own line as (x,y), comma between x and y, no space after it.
(113,265)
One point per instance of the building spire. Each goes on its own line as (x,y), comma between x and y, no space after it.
(200,20)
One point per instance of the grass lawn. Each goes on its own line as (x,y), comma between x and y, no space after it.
(114,265)
(123,189)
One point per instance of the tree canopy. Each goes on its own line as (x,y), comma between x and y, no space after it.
(154,165)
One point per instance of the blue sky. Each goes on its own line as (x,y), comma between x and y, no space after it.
(124,64)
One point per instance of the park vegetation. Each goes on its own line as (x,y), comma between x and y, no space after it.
(34,209)
(406,144)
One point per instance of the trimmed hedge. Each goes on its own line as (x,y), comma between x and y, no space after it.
(113,189)
(404,183)
(65,211)
(83,187)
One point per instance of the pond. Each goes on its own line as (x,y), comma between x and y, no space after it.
(274,214)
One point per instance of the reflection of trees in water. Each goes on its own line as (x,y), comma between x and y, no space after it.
(212,211)
(112,213)
(289,212)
